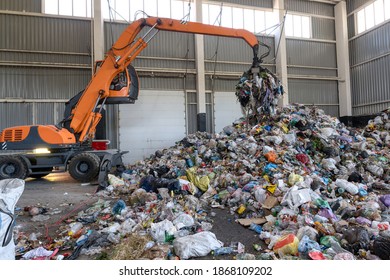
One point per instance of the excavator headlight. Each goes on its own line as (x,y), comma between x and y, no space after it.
(41,151)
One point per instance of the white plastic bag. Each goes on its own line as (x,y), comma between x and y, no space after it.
(158,230)
(10,192)
(295,197)
(183,220)
(197,245)
(260,194)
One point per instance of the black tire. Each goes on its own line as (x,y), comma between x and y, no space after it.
(12,167)
(38,176)
(84,167)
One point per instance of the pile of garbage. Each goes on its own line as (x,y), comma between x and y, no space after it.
(308,186)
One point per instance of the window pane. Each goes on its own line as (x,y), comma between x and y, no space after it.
(271,20)
(289,26)
(205,13)
(177,9)
(192,13)
(386,8)
(238,20)
(122,8)
(259,21)
(214,11)
(369,16)
(306,27)
(379,14)
(361,21)
(188,8)
(65,7)
(80,8)
(89,8)
(150,7)
(135,6)
(51,7)
(297,26)
(227,17)
(164,8)
(249,21)
(106,14)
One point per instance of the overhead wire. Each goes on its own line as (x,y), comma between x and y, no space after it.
(111,18)
(219,19)
(281,32)
(186,57)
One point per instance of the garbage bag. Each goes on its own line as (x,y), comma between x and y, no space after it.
(10,192)
(381,247)
(308,231)
(201,182)
(286,245)
(159,230)
(306,245)
(196,245)
(385,199)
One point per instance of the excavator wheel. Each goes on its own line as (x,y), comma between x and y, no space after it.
(12,167)
(84,167)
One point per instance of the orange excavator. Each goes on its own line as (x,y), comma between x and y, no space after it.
(37,150)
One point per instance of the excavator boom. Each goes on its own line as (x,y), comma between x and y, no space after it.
(67,146)
(125,50)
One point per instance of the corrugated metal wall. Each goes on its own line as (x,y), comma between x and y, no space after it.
(351,26)
(220,58)
(309,7)
(44,61)
(370,66)
(33,6)
(323,28)
(312,63)
(252,3)
(352,5)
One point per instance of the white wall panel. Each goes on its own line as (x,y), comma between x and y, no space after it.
(155,121)
(226,109)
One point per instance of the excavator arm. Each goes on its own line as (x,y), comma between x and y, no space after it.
(86,113)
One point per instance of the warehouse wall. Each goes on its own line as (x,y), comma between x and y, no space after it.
(370,65)
(44,61)
(312,63)
(250,3)
(32,6)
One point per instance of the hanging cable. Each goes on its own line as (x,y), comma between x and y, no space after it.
(120,15)
(140,12)
(187,17)
(188,49)
(111,18)
(281,32)
(219,19)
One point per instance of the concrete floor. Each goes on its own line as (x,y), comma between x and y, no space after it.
(64,197)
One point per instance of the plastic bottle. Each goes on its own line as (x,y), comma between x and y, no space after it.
(75,227)
(256,228)
(223,251)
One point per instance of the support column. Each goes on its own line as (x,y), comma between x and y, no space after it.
(98,54)
(281,55)
(200,72)
(343,68)
(98,31)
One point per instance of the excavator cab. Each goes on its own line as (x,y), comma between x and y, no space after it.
(124,87)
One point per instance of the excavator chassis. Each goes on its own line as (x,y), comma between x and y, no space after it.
(82,165)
